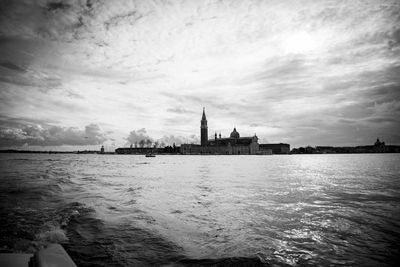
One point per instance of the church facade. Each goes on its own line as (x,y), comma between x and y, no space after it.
(233,145)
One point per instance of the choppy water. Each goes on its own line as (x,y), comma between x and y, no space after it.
(126,210)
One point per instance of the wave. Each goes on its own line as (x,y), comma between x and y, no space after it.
(231,261)
(25,229)
(17,159)
(54,235)
(54,230)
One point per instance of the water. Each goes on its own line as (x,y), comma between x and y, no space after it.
(126,210)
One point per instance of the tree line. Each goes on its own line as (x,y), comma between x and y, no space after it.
(148,143)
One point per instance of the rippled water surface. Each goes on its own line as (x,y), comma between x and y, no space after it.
(127,210)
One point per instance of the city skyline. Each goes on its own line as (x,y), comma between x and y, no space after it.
(78,74)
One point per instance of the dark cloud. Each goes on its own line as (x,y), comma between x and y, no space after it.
(46,19)
(89,3)
(132,16)
(282,68)
(74,95)
(384,93)
(387,74)
(274,71)
(347,121)
(17,53)
(16,57)
(208,100)
(11,66)
(20,122)
(64,20)
(57,5)
(381,120)
(170,121)
(394,39)
(376,86)
(180,110)
(281,78)
(20,132)
(44,81)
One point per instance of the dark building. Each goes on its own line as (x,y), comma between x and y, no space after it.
(280,148)
(377,147)
(146,150)
(232,145)
(203,129)
(133,150)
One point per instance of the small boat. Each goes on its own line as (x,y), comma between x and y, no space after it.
(150,155)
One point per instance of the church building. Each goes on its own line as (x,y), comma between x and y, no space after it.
(233,145)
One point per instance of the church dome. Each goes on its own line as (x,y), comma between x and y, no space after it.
(234,133)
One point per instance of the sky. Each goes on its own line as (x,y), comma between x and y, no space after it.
(80,74)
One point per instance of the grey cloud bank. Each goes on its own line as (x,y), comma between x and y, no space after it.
(22,133)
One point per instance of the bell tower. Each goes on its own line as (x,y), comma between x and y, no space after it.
(203,130)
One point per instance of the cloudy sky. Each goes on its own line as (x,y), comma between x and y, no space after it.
(85,73)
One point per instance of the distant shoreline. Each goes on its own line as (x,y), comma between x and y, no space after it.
(14,151)
(51,152)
